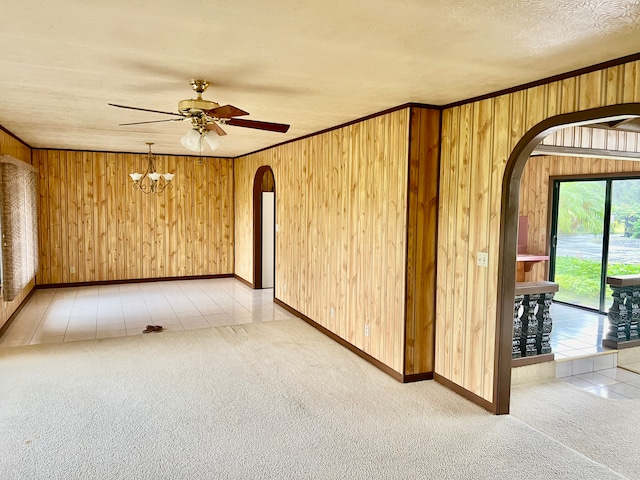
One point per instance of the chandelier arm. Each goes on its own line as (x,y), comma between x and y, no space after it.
(157,183)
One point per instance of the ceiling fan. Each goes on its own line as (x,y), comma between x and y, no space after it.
(206,117)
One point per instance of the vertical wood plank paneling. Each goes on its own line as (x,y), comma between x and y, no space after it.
(44,226)
(461,258)
(55,215)
(341,210)
(478,242)
(443,329)
(500,153)
(74,220)
(111,217)
(526,108)
(92,219)
(100,216)
(421,240)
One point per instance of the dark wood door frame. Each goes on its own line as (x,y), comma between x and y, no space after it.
(257,224)
(509,231)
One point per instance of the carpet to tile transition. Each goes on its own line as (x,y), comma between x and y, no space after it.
(274,400)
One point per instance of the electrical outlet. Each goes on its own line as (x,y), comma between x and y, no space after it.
(483,259)
(366,330)
(332,312)
(277,228)
(285,288)
(72,269)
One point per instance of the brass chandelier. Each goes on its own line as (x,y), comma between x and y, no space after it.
(157,182)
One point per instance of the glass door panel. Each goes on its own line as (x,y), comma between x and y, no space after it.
(577,262)
(624,237)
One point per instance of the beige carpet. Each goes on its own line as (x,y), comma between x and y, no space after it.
(268,401)
(608,431)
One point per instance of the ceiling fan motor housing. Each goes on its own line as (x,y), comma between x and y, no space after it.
(195,107)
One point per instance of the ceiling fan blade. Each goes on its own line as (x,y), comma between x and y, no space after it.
(144,109)
(216,128)
(153,121)
(226,111)
(272,127)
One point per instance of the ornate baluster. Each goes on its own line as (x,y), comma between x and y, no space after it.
(529,325)
(516,351)
(545,324)
(633,311)
(618,318)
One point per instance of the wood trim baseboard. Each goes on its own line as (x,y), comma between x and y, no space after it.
(365,356)
(246,282)
(417,377)
(533,360)
(463,392)
(133,280)
(13,316)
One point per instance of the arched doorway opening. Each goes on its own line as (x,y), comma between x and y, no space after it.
(509,231)
(264,188)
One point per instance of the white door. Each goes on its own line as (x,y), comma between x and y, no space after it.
(268,238)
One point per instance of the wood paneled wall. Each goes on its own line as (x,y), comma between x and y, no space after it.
(10,146)
(597,138)
(534,195)
(341,210)
(477,140)
(421,239)
(94,226)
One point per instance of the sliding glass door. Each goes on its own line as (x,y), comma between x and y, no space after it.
(578,240)
(624,232)
(595,233)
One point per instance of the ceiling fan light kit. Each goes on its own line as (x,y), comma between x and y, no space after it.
(192,140)
(158,182)
(206,117)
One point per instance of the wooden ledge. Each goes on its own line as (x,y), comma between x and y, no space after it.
(531,288)
(523,361)
(620,345)
(623,280)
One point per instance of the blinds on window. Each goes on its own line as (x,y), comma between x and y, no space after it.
(18,224)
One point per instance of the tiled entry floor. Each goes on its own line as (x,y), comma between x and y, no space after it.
(84,313)
(616,383)
(576,332)
(576,341)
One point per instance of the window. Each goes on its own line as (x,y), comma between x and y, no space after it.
(18,225)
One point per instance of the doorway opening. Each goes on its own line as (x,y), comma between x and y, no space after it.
(264,191)
(508,243)
(595,233)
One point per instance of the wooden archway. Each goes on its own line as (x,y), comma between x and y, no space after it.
(264,181)
(509,231)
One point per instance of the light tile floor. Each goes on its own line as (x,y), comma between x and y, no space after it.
(576,332)
(576,340)
(85,313)
(615,383)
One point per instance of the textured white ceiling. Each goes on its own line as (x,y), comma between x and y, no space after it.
(311,64)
